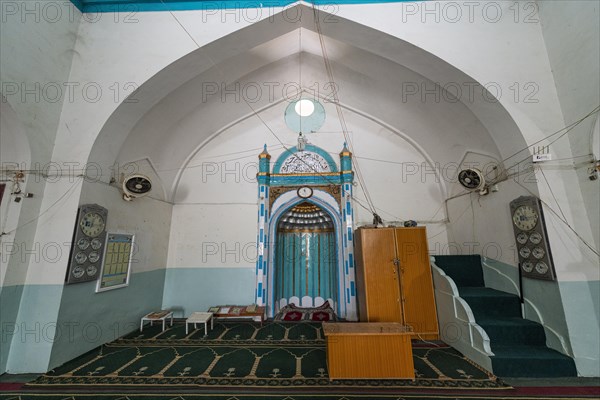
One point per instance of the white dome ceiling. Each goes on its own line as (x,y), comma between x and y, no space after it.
(250,74)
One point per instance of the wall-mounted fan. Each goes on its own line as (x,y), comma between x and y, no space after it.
(472,179)
(136,185)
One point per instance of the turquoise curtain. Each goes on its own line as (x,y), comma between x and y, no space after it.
(306,265)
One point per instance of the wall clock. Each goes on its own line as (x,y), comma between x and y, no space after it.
(305,192)
(88,245)
(535,259)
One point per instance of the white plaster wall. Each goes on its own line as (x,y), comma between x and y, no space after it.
(377,95)
(149,219)
(111,55)
(110,60)
(484,58)
(36,41)
(497,43)
(216,206)
(14,154)
(572,32)
(117,53)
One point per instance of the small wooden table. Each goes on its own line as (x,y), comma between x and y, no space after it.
(157,316)
(200,318)
(377,350)
(235,312)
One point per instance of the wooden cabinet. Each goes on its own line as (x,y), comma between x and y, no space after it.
(393,277)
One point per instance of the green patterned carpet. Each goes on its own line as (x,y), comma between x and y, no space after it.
(246,355)
(316,396)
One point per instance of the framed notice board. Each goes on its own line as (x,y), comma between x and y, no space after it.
(117,262)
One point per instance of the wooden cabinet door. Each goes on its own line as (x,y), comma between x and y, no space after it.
(377,275)
(417,285)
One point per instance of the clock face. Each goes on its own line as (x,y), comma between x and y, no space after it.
(305,192)
(94,257)
(538,252)
(527,266)
(91,270)
(524,252)
(541,267)
(535,238)
(525,218)
(522,238)
(96,244)
(83,243)
(92,224)
(80,258)
(78,272)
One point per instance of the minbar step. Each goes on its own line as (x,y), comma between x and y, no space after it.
(513,332)
(531,362)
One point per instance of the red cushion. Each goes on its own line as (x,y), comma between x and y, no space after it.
(293,316)
(321,316)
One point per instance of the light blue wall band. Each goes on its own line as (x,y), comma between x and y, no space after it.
(132,6)
(37,339)
(87,319)
(34,330)
(581,302)
(10,299)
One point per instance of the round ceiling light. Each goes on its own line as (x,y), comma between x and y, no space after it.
(304,115)
(304,107)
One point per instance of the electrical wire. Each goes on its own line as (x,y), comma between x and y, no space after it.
(448,219)
(370,204)
(473,218)
(288,150)
(64,196)
(326,178)
(552,193)
(567,129)
(6,213)
(339,110)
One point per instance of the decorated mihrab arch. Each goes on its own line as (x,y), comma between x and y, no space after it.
(305,231)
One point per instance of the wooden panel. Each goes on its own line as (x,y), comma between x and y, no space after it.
(361,351)
(417,285)
(363,328)
(361,287)
(378,284)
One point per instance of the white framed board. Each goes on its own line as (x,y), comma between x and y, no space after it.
(117,262)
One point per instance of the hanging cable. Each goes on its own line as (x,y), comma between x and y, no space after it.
(288,150)
(64,196)
(552,193)
(221,161)
(566,130)
(370,205)
(340,113)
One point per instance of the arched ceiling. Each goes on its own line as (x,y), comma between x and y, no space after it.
(305,217)
(215,87)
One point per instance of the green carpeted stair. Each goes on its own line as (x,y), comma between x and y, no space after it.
(519,345)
